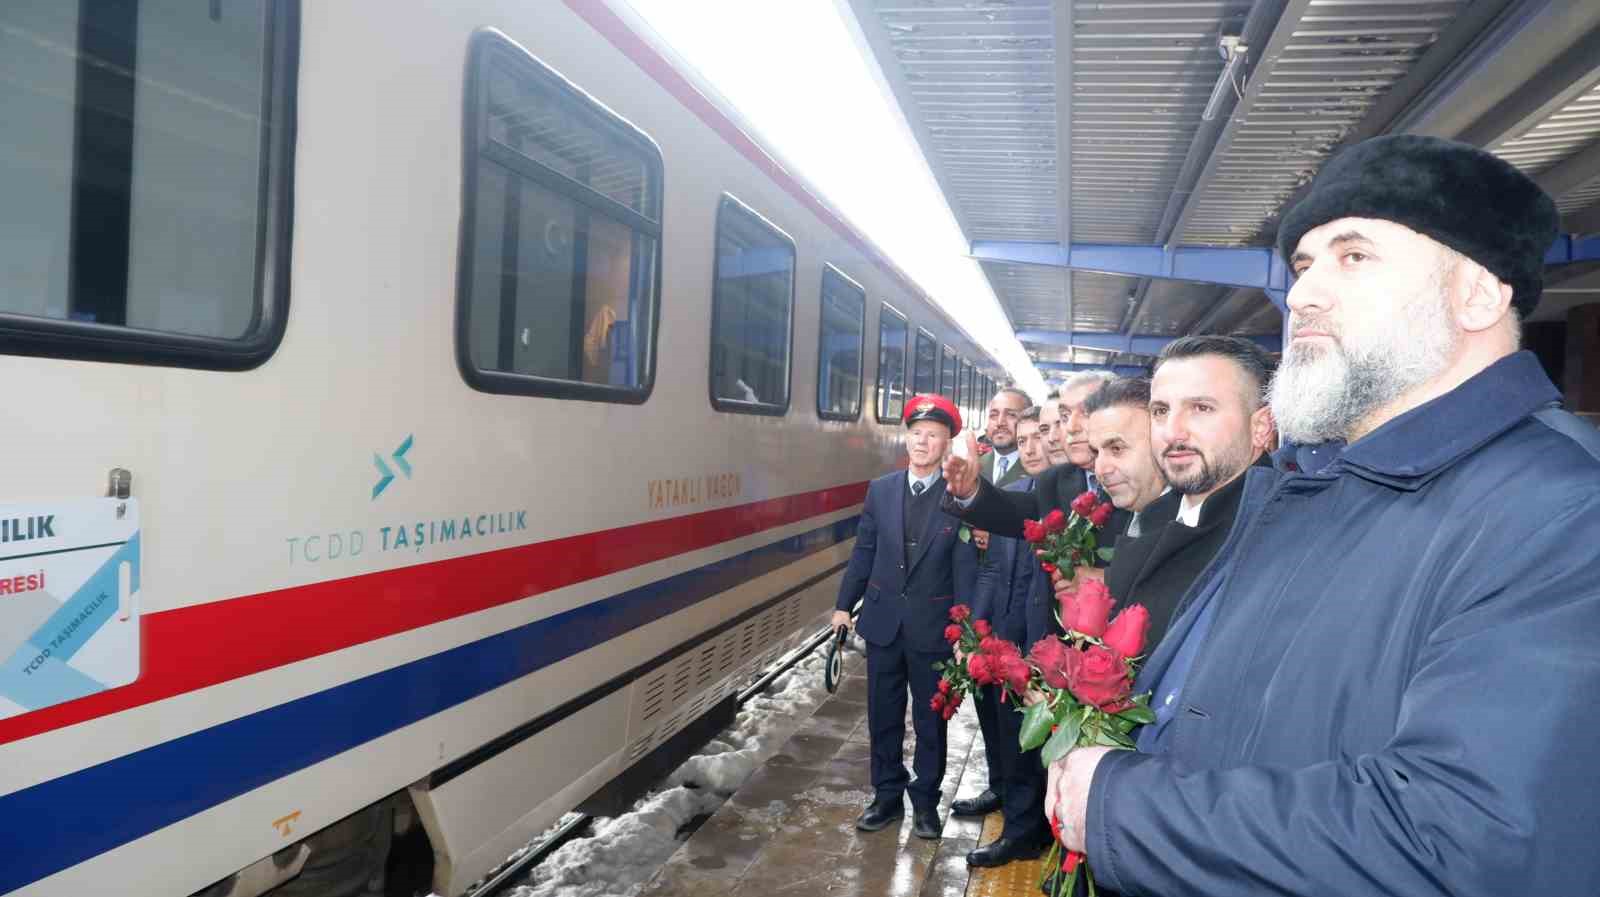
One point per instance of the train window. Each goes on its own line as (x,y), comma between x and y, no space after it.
(947,379)
(145,169)
(752,304)
(892,333)
(967,390)
(839,345)
(926,366)
(561,239)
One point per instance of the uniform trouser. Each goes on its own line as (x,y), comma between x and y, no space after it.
(891,671)
(1022,776)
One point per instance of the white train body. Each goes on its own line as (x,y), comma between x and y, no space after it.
(560,574)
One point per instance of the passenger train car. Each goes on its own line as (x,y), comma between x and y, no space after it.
(420,407)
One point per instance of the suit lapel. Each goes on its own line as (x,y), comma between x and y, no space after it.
(925,538)
(894,518)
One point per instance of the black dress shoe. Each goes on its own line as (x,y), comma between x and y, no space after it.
(982,805)
(925,824)
(879,814)
(1003,850)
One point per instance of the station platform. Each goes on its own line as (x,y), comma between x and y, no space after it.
(790,829)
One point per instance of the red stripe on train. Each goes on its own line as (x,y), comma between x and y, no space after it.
(195,647)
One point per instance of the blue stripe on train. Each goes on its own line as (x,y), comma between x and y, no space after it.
(56,824)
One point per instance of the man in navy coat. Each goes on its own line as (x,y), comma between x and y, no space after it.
(909,567)
(1015,598)
(1385,682)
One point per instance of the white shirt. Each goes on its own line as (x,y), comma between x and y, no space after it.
(1187,515)
(927,481)
(1011,461)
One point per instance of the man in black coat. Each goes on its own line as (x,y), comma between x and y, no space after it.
(908,568)
(1205,420)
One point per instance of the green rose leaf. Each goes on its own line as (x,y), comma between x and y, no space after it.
(965,533)
(1036,723)
(1139,714)
(1105,554)
(1065,739)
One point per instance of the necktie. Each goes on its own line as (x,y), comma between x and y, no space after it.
(1000,465)
(917,487)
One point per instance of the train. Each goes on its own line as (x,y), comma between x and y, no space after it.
(420,416)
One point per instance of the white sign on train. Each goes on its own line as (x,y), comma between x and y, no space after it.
(69,584)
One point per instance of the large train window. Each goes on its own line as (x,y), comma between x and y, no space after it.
(926,364)
(560,273)
(892,333)
(839,345)
(947,379)
(752,305)
(145,167)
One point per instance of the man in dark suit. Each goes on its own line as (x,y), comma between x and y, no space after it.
(1207,423)
(1002,466)
(910,567)
(989,508)
(1015,598)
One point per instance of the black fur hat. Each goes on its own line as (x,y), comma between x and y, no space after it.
(1471,201)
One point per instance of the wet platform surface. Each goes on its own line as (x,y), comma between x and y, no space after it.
(790,829)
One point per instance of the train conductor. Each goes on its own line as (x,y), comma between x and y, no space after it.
(911,567)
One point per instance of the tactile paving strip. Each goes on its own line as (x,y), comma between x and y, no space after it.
(1018,878)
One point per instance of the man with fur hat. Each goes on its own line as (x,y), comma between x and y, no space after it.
(909,567)
(1384,684)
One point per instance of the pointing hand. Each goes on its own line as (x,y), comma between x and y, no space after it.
(961,473)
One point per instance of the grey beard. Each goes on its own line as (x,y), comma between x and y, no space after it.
(1322,396)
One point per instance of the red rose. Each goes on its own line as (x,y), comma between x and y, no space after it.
(944,686)
(1126,633)
(1084,504)
(960,612)
(1033,531)
(1013,671)
(1100,516)
(998,647)
(937,703)
(978,669)
(1048,567)
(1068,601)
(1055,522)
(982,628)
(952,633)
(1049,654)
(1093,609)
(949,711)
(1099,676)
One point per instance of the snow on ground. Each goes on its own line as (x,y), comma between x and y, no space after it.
(623,851)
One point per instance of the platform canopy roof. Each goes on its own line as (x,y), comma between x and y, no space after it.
(1095,152)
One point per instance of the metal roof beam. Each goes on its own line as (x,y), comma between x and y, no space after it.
(1585,221)
(1254,266)
(1121,370)
(1121,342)
(1569,249)
(1266,32)
(1569,75)
(1571,173)
(1526,49)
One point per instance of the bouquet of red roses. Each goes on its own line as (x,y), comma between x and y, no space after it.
(1086,677)
(1066,540)
(982,658)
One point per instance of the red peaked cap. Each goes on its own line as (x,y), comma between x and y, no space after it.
(936,408)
